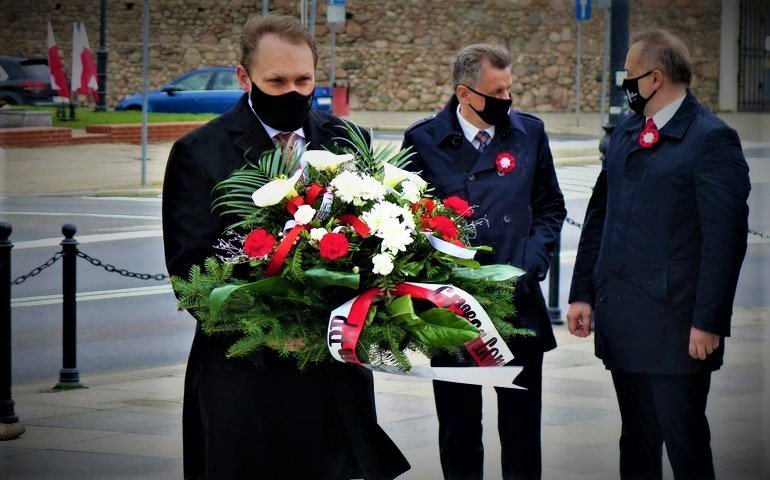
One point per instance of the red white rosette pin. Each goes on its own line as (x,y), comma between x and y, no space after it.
(648,137)
(505,163)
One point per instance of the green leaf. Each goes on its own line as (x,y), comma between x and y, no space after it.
(489,273)
(273,286)
(321,278)
(437,327)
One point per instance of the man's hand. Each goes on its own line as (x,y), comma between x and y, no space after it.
(579,319)
(702,343)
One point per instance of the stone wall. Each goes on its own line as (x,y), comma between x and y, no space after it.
(395,54)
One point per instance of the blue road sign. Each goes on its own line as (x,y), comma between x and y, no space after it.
(336,2)
(583,9)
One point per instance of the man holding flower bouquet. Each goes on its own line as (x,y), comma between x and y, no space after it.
(497,161)
(261,417)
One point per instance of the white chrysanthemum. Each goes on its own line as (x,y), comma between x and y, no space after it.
(395,236)
(371,189)
(379,213)
(382,264)
(347,186)
(317,233)
(304,214)
(410,191)
(408,217)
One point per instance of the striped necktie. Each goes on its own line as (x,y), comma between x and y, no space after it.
(484,139)
(288,141)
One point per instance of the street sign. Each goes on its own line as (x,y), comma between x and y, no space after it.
(335,11)
(583,10)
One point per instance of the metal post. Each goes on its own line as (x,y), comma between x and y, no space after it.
(312,18)
(69,376)
(605,66)
(101,59)
(618,49)
(145,84)
(577,72)
(333,27)
(7,414)
(554,312)
(265,7)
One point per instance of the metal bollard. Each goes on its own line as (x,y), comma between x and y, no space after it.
(69,376)
(7,413)
(554,312)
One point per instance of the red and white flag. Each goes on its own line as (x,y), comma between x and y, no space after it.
(83,67)
(55,67)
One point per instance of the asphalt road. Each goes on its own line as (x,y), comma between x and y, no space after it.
(128,324)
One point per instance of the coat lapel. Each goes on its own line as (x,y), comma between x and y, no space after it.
(251,137)
(505,140)
(462,155)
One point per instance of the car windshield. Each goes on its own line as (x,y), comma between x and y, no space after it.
(35,71)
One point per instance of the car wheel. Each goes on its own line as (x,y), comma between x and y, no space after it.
(135,108)
(7,101)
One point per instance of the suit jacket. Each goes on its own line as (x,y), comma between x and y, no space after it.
(521,212)
(260,418)
(663,242)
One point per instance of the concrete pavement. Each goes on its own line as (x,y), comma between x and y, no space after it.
(128,425)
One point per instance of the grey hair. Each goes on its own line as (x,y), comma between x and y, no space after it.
(664,50)
(466,69)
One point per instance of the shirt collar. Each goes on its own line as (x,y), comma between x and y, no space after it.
(469,130)
(666,113)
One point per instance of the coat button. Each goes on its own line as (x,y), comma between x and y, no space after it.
(471,177)
(507,218)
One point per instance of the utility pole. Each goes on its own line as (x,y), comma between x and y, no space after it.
(101,60)
(619,14)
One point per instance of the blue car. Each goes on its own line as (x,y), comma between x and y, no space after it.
(204,90)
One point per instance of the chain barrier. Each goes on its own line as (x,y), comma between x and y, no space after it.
(120,271)
(573,222)
(36,271)
(759,234)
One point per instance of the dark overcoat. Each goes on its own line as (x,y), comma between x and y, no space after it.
(519,213)
(663,241)
(260,417)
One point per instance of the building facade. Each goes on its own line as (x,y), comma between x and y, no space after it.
(395,54)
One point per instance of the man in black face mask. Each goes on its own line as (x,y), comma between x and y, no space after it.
(261,417)
(658,261)
(498,160)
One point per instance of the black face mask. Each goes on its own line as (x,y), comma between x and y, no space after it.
(495,109)
(636,101)
(286,112)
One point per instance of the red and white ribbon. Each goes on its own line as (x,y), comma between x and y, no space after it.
(346,323)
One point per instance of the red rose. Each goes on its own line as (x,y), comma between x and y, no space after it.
(444,225)
(333,246)
(293,204)
(460,206)
(258,244)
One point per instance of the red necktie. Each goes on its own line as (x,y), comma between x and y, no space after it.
(288,142)
(649,135)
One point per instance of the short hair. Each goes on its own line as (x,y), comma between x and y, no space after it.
(466,69)
(664,50)
(284,26)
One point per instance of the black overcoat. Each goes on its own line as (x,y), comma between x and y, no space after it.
(663,241)
(260,418)
(519,214)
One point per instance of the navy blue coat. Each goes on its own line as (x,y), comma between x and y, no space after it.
(663,242)
(523,210)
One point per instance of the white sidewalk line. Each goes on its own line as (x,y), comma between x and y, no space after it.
(96,295)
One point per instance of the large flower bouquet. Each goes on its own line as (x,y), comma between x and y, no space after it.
(308,234)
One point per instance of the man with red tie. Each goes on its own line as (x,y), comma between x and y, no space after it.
(658,260)
(498,159)
(261,417)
